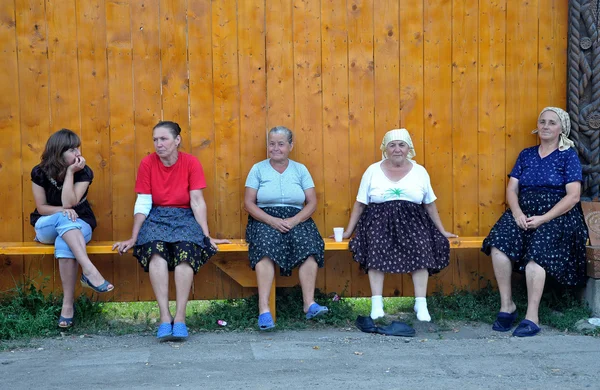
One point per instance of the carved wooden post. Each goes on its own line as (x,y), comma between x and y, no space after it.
(583,105)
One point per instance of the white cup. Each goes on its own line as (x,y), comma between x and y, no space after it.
(338,233)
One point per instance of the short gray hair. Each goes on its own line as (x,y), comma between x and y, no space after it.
(284,131)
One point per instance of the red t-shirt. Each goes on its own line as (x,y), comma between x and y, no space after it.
(170,186)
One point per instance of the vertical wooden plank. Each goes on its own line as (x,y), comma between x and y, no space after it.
(465,17)
(253,90)
(146,59)
(95,137)
(411,79)
(411,73)
(122,141)
(201,123)
(438,115)
(308,147)
(361,110)
(280,64)
(35,123)
(174,70)
(334,33)
(387,90)
(11,217)
(387,69)
(552,49)
(62,55)
(521,77)
(492,112)
(227,118)
(308,102)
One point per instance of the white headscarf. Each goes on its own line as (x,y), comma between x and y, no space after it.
(397,135)
(564,142)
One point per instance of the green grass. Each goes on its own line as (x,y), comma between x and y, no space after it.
(26,312)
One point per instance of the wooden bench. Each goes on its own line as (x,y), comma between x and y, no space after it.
(238,271)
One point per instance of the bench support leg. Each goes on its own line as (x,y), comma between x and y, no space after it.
(272,301)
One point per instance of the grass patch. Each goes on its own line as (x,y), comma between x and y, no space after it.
(27,312)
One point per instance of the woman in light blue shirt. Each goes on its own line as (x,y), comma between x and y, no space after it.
(280,198)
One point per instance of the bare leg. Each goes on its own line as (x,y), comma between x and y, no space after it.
(184,276)
(503,272)
(376,280)
(68,275)
(420,278)
(265,272)
(76,242)
(308,279)
(159,278)
(535,277)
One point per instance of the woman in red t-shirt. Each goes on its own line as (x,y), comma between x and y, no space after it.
(170,230)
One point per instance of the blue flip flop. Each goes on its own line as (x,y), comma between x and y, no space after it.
(180,331)
(526,328)
(85,282)
(265,321)
(165,331)
(504,321)
(316,310)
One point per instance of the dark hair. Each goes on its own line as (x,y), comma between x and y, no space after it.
(173,127)
(287,133)
(53,163)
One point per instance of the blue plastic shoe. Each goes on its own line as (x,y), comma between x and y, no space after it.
(504,321)
(265,321)
(180,331)
(165,331)
(526,328)
(316,310)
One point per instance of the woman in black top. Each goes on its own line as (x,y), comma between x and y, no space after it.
(63,216)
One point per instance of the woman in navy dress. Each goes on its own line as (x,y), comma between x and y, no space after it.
(543,232)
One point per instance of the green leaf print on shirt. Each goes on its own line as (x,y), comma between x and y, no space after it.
(393,193)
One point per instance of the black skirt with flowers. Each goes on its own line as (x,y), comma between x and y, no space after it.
(399,237)
(173,234)
(287,250)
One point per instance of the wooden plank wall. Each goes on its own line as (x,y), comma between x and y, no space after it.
(465,77)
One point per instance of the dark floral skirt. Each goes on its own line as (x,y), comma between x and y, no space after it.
(399,237)
(173,234)
(557,246)
(287,250)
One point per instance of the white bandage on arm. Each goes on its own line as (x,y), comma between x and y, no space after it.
(143,204)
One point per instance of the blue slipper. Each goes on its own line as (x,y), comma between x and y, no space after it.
(526,329)
(180,331)
(316,310)
(265,321)
(68,322)
(165,331)
(85,282)
(504,321)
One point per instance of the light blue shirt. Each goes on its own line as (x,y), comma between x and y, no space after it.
(276,189)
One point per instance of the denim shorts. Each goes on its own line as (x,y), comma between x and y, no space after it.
(49,229)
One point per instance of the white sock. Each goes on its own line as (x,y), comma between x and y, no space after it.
(421,309)
(377,307)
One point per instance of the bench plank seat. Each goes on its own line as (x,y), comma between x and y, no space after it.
(237,245)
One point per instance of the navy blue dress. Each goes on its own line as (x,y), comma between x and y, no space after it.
(557,246)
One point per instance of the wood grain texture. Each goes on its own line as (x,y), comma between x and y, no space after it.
(338,73)
(11,198)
